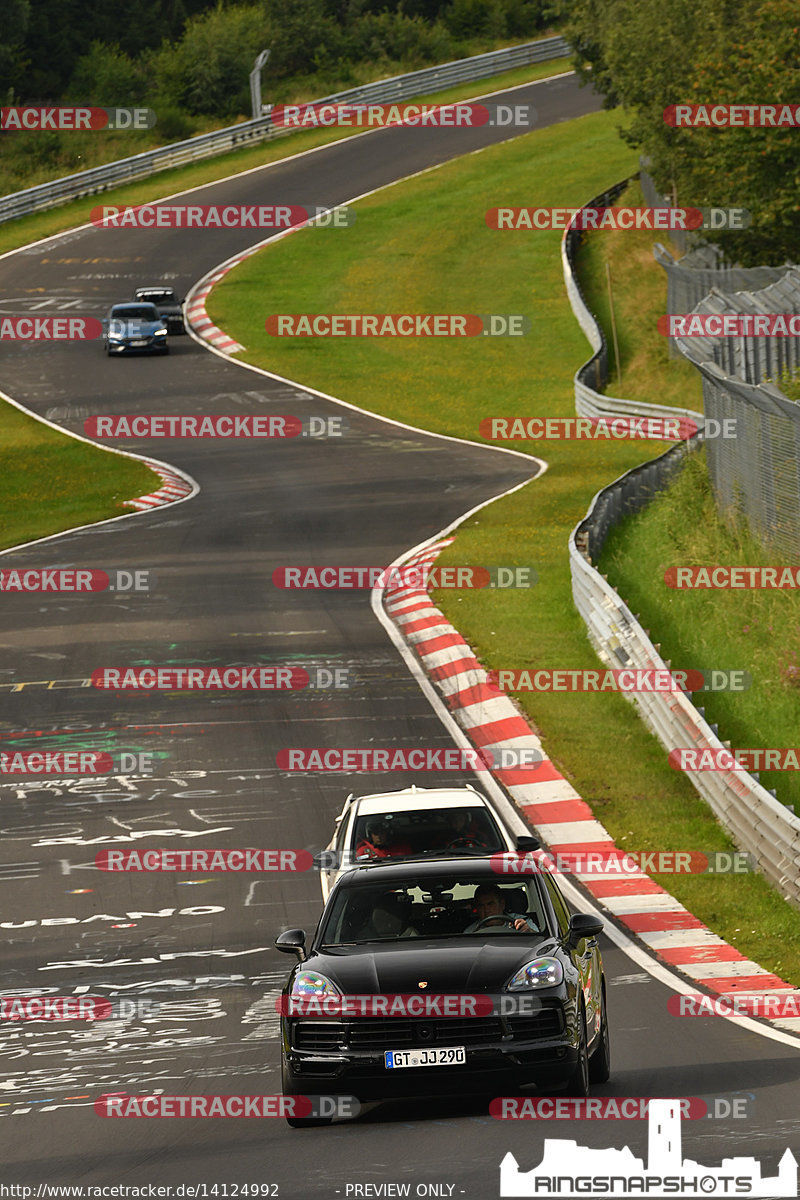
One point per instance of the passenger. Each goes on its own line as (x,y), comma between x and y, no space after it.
(389,919)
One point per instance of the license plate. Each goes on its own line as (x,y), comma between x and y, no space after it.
(442,1056)
(138,341)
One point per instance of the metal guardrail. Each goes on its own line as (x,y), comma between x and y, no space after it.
(178,154)
(593,374)
(756,821)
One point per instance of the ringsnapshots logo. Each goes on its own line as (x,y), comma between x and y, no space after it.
(216,425)
(401,325)
(463,578)
(222,216)
(221,679)
(465,115)
(489,758)
(620,679)
(66,580)
(732,116)
(73,117)
(568,1169)
(618,218)
(49,329)
(237,861)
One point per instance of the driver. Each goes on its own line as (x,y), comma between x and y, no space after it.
(489,902)
(464,829)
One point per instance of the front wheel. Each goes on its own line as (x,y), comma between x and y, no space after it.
(578,1084)
(600,1061)
(300,1122)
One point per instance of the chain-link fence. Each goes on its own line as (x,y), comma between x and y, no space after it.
(756,473)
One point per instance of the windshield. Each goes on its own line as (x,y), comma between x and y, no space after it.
(425,831)
(135,312)
(445,906)
(157,296)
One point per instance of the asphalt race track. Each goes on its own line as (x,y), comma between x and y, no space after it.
(202,946)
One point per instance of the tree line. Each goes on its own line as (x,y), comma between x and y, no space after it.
(645,55)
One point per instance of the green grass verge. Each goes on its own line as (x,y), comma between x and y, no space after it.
(757,631)
(23,230)
(423,246)
(50,483)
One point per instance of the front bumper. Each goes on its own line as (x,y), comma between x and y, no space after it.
(503,1054)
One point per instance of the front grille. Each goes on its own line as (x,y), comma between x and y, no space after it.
(466,1031)
(546,1023)
(394,1034)
(319,1035)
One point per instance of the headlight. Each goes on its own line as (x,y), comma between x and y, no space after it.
(539,973)
(161,333)
(311,983)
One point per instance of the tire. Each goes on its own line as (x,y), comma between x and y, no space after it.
(300,1122)
(600,1061)
(307,1122)
(578,1084)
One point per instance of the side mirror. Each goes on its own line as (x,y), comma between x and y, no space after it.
(581,926)
(293,941)
(528,843)
(326,860)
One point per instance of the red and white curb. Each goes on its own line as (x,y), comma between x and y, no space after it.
(196,315)
(176,487)
(562,820)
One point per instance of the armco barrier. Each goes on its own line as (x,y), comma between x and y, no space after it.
(754,818)
(397,88)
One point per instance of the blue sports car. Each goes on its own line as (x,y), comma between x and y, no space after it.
(135,328)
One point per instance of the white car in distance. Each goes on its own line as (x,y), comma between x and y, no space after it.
(415,823)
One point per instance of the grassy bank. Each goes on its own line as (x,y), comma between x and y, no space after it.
(423,246)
